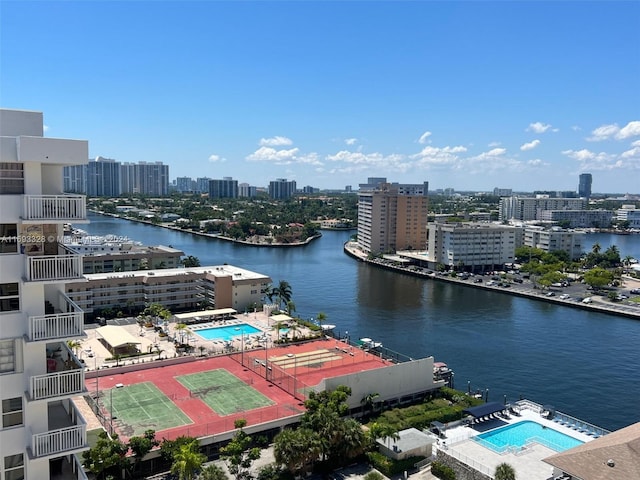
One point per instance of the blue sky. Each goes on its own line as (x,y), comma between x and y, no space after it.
(467,95)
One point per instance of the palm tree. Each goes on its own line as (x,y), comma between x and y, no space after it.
(595,248)
(321,317)
(213,472)
(191,261)
(291,307)
(187,461)
(504,471)
(367,402)
(74,345)
(293,328)
(181,329)
(284,293)
(278,327)
(627,261)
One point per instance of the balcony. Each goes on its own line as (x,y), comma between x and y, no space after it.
(64,377)
(57,384)
(54,208)
(67,432)
(53,268)
(52,326)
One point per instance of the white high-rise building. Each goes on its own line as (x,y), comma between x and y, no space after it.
(41,431)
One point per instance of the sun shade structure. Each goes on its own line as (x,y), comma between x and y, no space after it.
(117,339)
(486,409)
(204,315)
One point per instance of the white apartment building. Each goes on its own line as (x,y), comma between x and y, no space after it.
(473,247)
(41,431)
(530,208)
(178,289)
(629,213)
(393,217)
(579,218)
(554,239)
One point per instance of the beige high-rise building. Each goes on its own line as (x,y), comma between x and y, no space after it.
(41,431)
(393,217)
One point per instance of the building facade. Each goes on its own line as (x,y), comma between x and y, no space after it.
(584,185)
(282,189)
(225,188)
(178,289)
(42,431)
(579,218)
(529,208)
(247,191)
(392,217)
(631,214)
(554,240)
(475,247)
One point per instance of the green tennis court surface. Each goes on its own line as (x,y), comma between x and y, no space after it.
(142,406)
(223,392)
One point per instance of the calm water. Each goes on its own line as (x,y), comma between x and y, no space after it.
(585,364)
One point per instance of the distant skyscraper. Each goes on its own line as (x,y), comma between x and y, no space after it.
(281,189)
(247,191)
(225,188)
(584,186)
(184,184)
(202,184)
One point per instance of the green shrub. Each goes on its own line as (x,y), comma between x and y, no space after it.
(373,476)
(390,467)
(442,471)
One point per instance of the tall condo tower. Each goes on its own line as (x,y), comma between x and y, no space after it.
(42,431)
(584,185)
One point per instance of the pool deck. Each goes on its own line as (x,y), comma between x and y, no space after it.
(527,462)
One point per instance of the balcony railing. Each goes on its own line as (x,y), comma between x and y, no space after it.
(68,324)
(67,431)
(57,208)
(59,441)
(65,266)
(57,384)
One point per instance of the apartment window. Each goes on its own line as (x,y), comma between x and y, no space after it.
(9,297)
(8,238)
(7,356)
(11,178)
(11,412)
(14,467)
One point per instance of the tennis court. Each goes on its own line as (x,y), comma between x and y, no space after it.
(140,407)
(223,392)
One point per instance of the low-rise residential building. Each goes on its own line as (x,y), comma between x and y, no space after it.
(578,218)
(530,208)
(100,255)
(629,213)
(471,246)
(554,239)
(178,289)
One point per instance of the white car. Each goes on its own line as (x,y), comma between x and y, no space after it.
(564,296)
(587,300)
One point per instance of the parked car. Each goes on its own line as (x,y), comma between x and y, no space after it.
(550,294)
(635,291)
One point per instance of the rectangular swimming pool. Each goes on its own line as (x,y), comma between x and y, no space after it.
(227,332)
(519,434)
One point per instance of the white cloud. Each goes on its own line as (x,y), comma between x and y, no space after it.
(283,157)
(495,152)
(537,163)
(275,141)
(636,143)
(633,153)
(631,129)
(576,128)
(439,156)
(216,158)
(351,141)
(494,144)
(602,161)
(268,154)
(423,138)
(530,146)
(538,127)
(604,132)
(45,128)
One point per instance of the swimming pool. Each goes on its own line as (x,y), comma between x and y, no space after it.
(519,434)
(227,332)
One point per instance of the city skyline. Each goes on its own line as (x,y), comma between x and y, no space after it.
(464,95)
